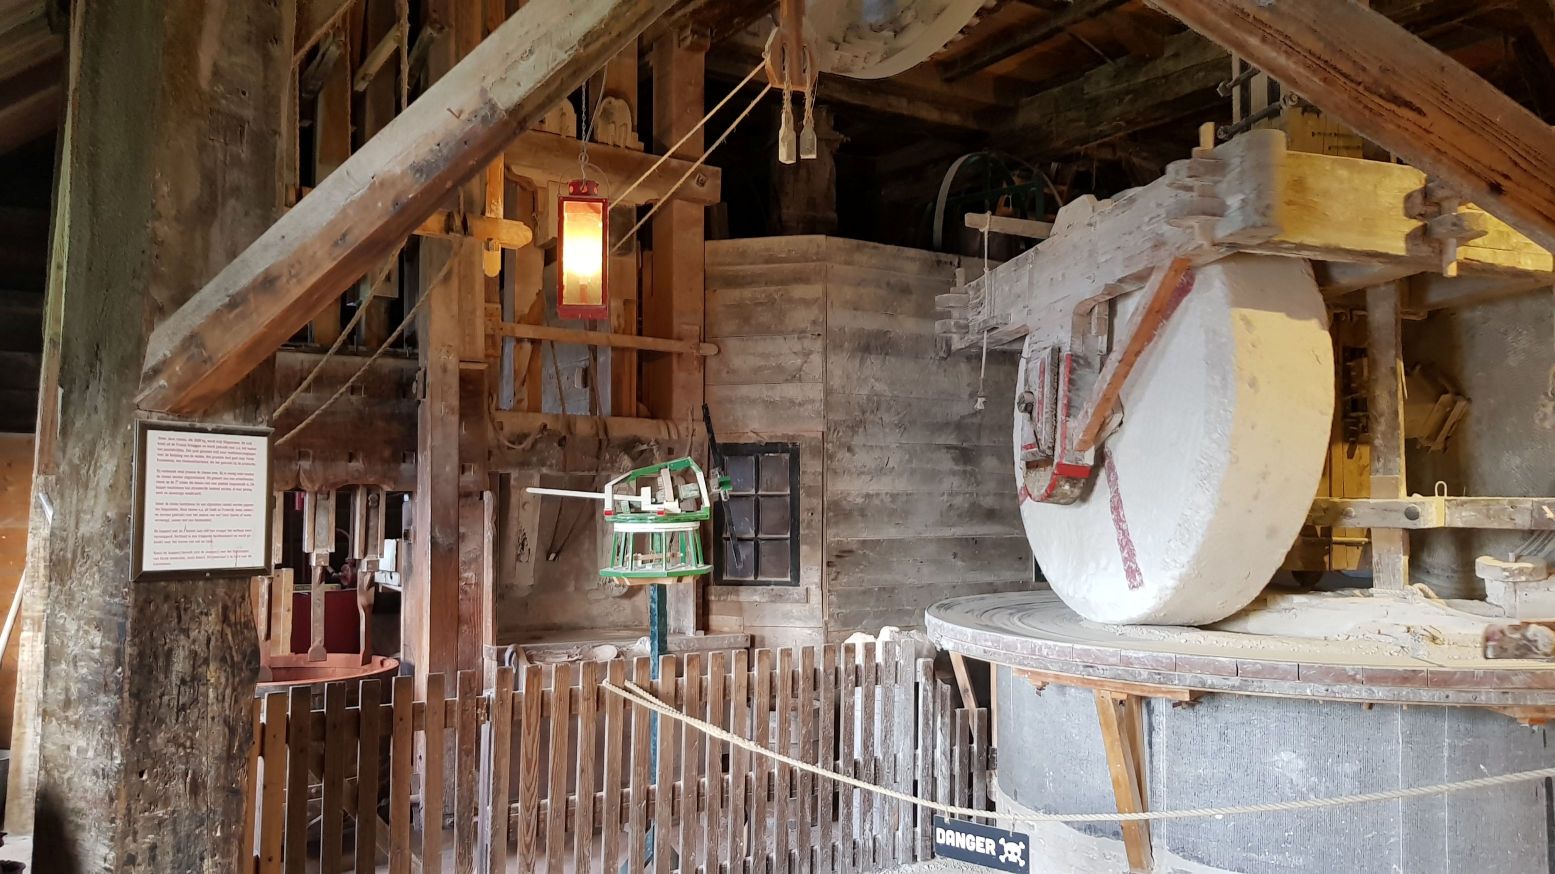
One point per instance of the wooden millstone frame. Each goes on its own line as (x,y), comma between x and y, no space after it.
(1034,630)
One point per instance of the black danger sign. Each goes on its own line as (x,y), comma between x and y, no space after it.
(982,845)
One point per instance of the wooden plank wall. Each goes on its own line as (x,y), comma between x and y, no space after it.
(907,490)
(548,772)
(766,312)
(920,497)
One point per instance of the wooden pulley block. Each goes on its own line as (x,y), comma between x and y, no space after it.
(790,59)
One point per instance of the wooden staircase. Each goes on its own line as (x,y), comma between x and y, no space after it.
(24,239)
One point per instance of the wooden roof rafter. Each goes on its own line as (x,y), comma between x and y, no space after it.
(1117,99)
(32,72)
(1017,40)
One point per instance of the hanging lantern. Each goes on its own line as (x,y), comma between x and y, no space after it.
(582,232)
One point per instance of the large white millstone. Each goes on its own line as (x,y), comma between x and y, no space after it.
(1208,480)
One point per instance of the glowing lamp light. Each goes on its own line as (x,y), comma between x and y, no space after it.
(584,226)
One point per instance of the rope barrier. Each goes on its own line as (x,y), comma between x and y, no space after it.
(638,696)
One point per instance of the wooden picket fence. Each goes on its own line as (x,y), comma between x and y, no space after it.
(549,771)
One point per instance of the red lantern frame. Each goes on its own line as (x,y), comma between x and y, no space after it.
(582,191)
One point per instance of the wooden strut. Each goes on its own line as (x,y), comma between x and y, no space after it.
(503,233)
(542,156)
(514,423)
(1121,716)
(318,514)
(1160,299)
(1176,694)
(383,192)
(963,681)
(1385,414)
(500,232)
(1003,224)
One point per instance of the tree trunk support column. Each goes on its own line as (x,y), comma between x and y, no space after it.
(172,148)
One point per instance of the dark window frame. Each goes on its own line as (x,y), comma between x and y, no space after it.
(720,518)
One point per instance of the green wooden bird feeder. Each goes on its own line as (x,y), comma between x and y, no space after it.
(656,515)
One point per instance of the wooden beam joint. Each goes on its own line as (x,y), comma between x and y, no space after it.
(380,195)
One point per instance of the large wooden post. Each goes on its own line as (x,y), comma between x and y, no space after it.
(1385,408)
(172,151)
(673,300)
(441,612)
(621,81)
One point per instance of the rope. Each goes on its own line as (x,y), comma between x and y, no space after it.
(361,310)
(369,362)
(636,695)
(690,133)
(692,169)
(982,370)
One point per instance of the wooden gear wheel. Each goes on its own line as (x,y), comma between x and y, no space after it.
(874,39)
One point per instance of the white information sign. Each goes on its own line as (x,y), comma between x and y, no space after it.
(203,501)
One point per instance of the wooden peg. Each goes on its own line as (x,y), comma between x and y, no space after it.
(318,540)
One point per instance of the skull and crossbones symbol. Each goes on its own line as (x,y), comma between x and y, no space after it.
(1012,852)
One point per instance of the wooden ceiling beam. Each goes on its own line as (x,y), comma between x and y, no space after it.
(712,19)
(377,198)
(916,94)
(1398,91)
(28,44)
(1012,41)
(31,102)
(542,156)
(1116,100)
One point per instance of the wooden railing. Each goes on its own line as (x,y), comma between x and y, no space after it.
(549,771)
